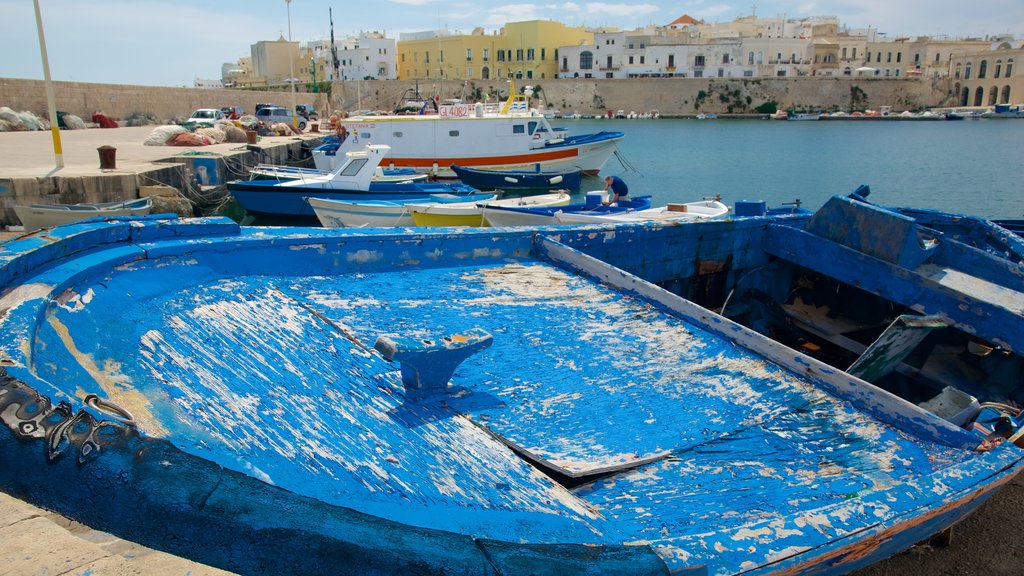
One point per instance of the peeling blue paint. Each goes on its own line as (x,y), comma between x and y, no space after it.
(269,435)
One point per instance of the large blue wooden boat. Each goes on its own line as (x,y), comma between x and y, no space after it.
(355,179)
(552,400)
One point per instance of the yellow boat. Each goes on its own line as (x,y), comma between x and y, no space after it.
(471,213)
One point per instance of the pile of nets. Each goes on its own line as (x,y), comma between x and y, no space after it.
(104,121)
(11,121)
(69,121)
(161,134)
(141,119)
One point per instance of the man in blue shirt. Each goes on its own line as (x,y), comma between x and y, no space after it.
(619,189)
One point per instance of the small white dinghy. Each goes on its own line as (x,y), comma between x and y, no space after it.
(36,216)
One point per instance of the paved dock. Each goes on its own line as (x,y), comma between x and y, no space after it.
(30,154)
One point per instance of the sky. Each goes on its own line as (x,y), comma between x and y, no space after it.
(172,42)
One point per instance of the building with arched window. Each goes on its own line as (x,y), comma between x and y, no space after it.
(989,77)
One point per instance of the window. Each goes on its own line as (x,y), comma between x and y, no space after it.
(967,76)
(725,58)
(956,75)
(698,73)
(641,59)
(453,133)
(1009,68)
(543,54)
(721,72)
(397,134)
(487,55)
(748,73)
(878,57)
(519,129)
(501,55)
(485,73)
(1006,94)
(586,60)
(426,57)
(529,54)
(854,55)
(844,54)
(778,56)
(899,57)
(357,163)
(979,95)
(792,58)
(983,69)
(631,60)
(993,95)
(671,60)
(565,64)
(469,54)
(519,55)
(888,57)
(750,58)
(531,127)
(698,60)
(609,62)
(999,64)
(469,72)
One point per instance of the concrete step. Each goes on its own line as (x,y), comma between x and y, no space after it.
(34,542)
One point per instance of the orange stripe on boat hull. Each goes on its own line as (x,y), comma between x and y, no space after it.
(483,160)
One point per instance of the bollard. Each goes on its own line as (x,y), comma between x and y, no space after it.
(314,127)
(108,160)
(250,136)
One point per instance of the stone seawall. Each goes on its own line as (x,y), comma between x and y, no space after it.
(669,96)
(122,100)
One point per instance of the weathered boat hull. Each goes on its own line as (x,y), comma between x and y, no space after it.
(569,178)
(241,401)
(36,216)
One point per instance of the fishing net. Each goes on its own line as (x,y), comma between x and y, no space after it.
(161,134)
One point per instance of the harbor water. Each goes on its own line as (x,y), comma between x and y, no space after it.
(973,166)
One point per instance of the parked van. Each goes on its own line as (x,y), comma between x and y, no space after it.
(271,115)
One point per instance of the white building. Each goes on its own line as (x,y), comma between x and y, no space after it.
(369,56)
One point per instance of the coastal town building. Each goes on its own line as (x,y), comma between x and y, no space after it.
(368,56)
(522,50)
(989,77)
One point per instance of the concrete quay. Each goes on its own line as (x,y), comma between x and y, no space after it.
(28,174)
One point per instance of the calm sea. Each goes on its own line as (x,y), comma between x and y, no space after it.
(972,166)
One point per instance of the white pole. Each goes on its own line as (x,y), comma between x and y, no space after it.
(58,153)
(291,65)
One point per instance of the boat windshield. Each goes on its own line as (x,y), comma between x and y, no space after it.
(354,167)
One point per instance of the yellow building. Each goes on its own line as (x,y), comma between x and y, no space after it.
(523,50)
(989,77)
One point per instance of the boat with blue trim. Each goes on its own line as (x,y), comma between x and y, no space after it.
(353,180)
(808,393)
(497,215)
(493,136)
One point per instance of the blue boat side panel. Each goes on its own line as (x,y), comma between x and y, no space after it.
(971,304)
(238,372)
(871,230)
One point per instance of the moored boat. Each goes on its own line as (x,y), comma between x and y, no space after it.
(353,180)
(505,136)
(275,172)
(516,401)
(471,213)
(568,178)
(36,216)
(689,212)
(545,216)
(381,213)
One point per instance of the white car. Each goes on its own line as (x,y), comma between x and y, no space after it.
(206,116)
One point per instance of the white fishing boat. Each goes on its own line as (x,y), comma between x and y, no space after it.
(510,135)
(276,172)
(704,210)
(378,213)
(36,216)
(471,213)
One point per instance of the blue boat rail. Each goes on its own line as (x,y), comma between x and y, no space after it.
(758,394)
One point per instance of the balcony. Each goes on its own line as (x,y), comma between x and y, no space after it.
(609,68)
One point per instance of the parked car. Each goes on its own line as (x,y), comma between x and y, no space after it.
(233,112)
(307,112)
(206,116)
(273,114)
(262,106)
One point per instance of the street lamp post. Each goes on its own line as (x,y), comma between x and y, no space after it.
(291,64)
(51,104)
